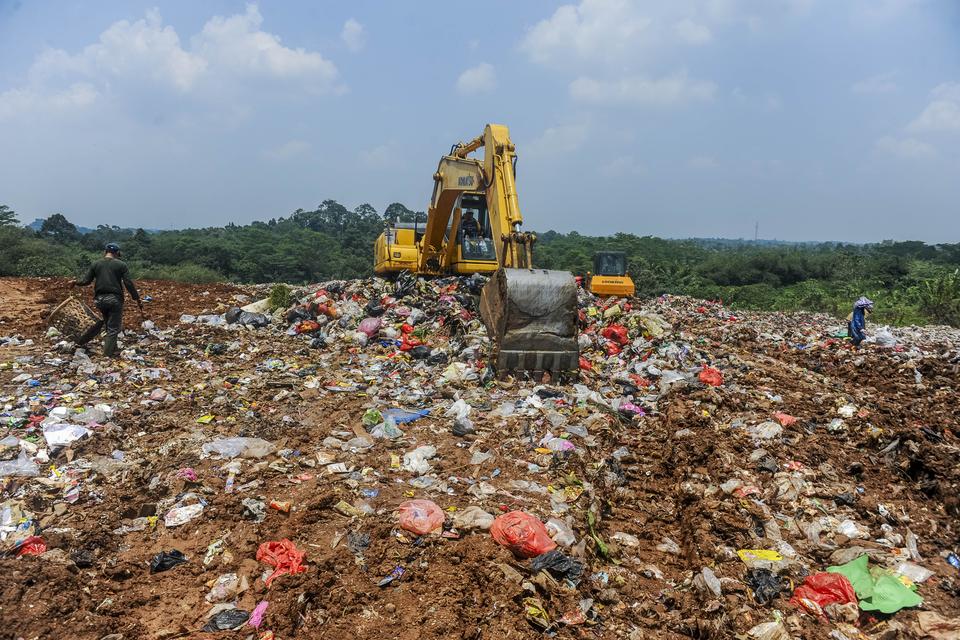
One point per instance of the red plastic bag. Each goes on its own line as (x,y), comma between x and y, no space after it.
(711,376)
(585,364)
(420,516)
(32,546)
(617,333)
(307,326)
(784,419)
(522,533)
(283,555)
(821,589)
(612,349)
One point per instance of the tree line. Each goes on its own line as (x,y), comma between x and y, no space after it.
(912,282)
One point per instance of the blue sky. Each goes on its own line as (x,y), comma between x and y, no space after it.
(816,118)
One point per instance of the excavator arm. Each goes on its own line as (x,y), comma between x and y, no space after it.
(530,314)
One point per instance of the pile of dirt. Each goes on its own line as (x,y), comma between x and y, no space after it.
(691,436)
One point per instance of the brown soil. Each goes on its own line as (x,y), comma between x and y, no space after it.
(458,588)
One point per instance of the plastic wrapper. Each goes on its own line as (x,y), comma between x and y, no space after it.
(239,447)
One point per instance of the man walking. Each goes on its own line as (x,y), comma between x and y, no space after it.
(109,275)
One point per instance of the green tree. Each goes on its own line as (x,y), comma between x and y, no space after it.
(8,217)
(59,229)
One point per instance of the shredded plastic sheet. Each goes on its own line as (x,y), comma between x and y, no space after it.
(283,555)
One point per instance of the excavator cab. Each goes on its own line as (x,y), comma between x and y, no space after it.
(609,277)
(475,252)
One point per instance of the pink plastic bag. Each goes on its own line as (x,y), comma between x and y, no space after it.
(523,534)
(369,326)
(420,516)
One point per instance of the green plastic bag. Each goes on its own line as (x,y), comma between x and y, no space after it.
(877,589)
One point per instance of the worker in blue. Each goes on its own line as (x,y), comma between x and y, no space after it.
(857,320)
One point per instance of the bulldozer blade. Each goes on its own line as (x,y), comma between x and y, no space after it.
(531,317)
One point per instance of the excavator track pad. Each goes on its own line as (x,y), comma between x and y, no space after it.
(531,317)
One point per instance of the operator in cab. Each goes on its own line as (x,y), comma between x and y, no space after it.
(109,276)
(470,226)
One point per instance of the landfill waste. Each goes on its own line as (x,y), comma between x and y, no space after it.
(522,533)
(283,556)
(166,560)
(821,589)
(877,589)
(671,496)
(226,620)
(420,516)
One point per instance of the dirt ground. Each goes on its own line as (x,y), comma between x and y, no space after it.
(651,477)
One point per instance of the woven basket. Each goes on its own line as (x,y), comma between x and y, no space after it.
(73,318)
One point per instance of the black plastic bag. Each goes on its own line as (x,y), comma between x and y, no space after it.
(226,619)
(766,584)
(375,310)
(166,560)
(559,565)
(420,352)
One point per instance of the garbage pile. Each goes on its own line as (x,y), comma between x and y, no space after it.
(349,466)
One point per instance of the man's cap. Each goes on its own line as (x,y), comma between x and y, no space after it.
(112,247)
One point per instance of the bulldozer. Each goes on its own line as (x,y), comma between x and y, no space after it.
(609,276)
(473,225)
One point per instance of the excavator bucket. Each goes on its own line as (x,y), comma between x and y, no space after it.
(531,316)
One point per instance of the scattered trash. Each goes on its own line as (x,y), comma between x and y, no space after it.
(559,565)
(420,516)
(877,589)
(765,584)
(283,556)
(166,560)
(522,533)
(226,620)
(821,589)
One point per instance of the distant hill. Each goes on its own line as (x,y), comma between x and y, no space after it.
(36,224)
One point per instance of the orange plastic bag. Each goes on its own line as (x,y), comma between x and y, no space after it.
(283,555)
(711,376)
(522,533)
(420,516)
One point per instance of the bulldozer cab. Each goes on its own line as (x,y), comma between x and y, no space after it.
(610,263)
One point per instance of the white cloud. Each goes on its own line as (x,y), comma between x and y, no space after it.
(639,90)
(71,99)
(287,150)
(146,61)
(353,35)
(236,44)
(144,50)
(882,83)
(622,167)
(379,157)
(590,30)
(564,138)
(625,31)
(478,79)
(905,147)
(692,33)
(703,162)
(942,115)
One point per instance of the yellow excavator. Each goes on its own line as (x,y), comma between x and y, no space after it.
(473,226)
(609,276)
